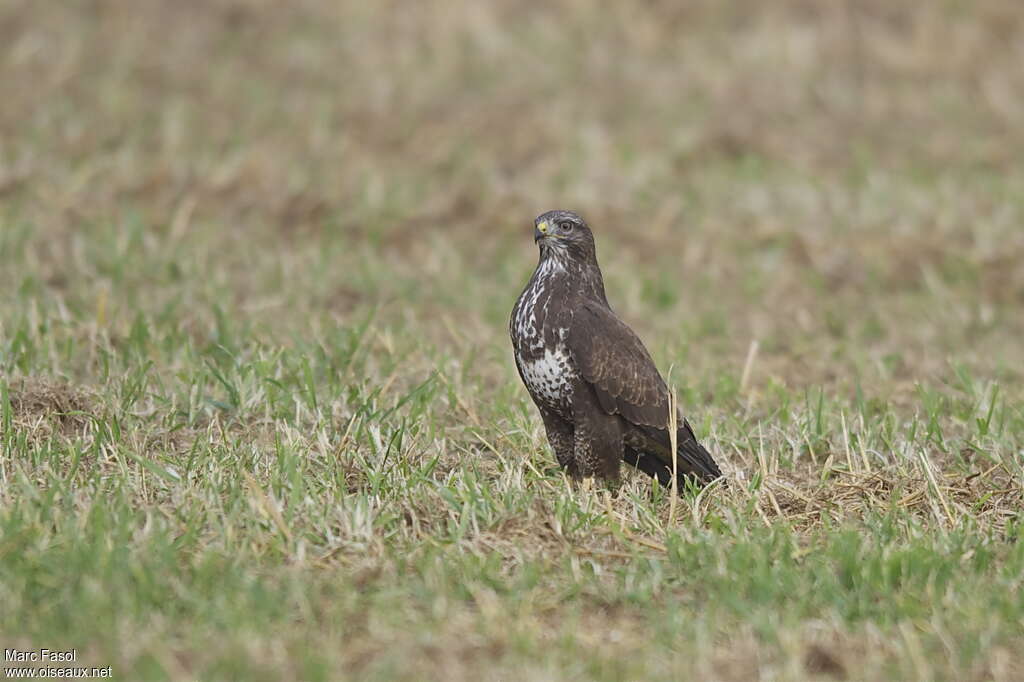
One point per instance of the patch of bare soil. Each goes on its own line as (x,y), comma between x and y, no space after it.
(46,407)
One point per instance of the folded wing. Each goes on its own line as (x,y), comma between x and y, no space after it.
(613,359)
(617,365)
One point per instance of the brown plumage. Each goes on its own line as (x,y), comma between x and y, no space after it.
(598,391)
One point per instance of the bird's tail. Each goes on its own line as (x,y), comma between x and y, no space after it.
(693,459)
(694,464)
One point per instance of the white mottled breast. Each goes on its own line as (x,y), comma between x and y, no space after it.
(549,376)
(544,361)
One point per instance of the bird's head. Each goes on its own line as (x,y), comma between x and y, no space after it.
(564,234)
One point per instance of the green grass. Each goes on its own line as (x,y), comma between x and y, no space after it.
(258,413)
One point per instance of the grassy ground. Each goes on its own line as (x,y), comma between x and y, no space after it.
(258,412)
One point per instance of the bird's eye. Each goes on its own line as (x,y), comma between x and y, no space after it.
(566,226)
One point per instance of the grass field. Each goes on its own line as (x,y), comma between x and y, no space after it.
(259,417)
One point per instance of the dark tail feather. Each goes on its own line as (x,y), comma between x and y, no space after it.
(694,464)
(693,458)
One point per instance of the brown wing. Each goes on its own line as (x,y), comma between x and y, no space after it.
(615,362)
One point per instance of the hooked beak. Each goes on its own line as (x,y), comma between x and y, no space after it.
(540,231)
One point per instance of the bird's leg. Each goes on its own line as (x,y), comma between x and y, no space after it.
(560,435)
(584,457)
(597,437)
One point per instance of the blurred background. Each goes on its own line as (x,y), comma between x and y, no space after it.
(837,180)
(259,417)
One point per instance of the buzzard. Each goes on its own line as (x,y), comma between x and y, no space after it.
(599,393)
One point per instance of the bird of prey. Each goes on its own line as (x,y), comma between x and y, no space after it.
(598,391)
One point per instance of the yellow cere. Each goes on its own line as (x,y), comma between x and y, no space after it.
(543,227)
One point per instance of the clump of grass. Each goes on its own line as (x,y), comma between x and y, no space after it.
(37,408)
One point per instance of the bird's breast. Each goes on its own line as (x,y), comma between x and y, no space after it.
(549,376)
(528,318)
(539,327)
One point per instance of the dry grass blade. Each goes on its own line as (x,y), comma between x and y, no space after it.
(267,506)
(748,364)
(673,437)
